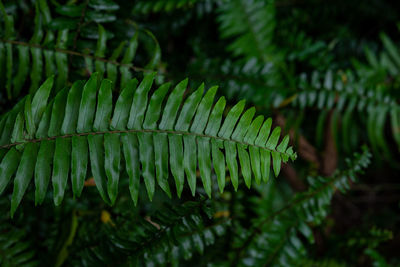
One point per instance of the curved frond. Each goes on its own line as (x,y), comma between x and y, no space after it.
(82,131)
(275,241)
(172,235)
(346,97)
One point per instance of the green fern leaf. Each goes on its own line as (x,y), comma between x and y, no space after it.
(154,139)
(171,235)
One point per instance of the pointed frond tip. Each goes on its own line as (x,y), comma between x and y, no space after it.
(81,133)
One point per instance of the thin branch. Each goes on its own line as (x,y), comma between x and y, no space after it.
(78,30)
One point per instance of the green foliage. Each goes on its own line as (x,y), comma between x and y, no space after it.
(347,97)
(15,248)
(248,79)
(83,16)
(105,163)
(274,238)
(163,6)
(170,236)
(55,40)
(382,66)
(14,251)
(82,129)
(251,24)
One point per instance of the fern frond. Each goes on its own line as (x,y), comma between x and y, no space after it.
(251,24)
(274,241)
(82,127)
(381,68)
(15,250)
(47,54)
(341,92)
(82,16)
(172,235)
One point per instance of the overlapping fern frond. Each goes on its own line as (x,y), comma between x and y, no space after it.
(15,249)
(257,82)
(381,68)
(146,135)
(50,47)
(275,241)
(169,236)
(251,24)
(82,16)
(341,93)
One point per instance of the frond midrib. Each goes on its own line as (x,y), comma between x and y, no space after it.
(75,53)
(153,131)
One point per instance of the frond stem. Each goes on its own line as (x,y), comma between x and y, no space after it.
(38,140)
(78,30)
(74,53)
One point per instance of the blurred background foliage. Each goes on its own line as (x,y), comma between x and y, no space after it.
(327,72)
